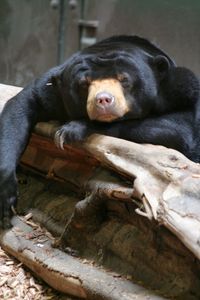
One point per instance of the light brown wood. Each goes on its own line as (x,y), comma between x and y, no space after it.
(166,182)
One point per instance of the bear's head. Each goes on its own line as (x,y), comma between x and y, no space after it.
(122,77)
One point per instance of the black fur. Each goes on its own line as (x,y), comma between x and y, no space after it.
(164,101)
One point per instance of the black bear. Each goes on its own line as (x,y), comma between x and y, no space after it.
(123,86)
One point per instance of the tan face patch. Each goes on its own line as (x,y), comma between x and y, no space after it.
(108,113)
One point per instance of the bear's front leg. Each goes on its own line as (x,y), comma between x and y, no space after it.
(16,122)
(8,198)
(73,131)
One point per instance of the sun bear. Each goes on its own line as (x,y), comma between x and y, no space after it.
(123,86)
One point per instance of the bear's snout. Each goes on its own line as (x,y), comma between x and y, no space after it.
(106,101)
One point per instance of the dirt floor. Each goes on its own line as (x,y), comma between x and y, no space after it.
(17,283)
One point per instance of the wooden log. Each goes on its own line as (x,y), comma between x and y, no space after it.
(115,235)
(166,182)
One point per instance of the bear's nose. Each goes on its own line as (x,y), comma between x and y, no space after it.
(104,99)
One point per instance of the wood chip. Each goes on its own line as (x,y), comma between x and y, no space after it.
(16,283)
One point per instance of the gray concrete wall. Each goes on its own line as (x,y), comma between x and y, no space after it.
(29,31)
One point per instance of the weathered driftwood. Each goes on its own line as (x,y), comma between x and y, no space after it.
(166,182)
(105,226)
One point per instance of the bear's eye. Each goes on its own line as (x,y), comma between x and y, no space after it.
(84,81)
(124,78)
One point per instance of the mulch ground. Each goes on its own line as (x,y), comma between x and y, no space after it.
(17,283)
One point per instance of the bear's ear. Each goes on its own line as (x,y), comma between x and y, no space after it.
(162,64)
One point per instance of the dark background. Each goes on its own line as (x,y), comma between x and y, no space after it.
(38,34)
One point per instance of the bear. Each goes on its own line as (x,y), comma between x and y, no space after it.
(123,86)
